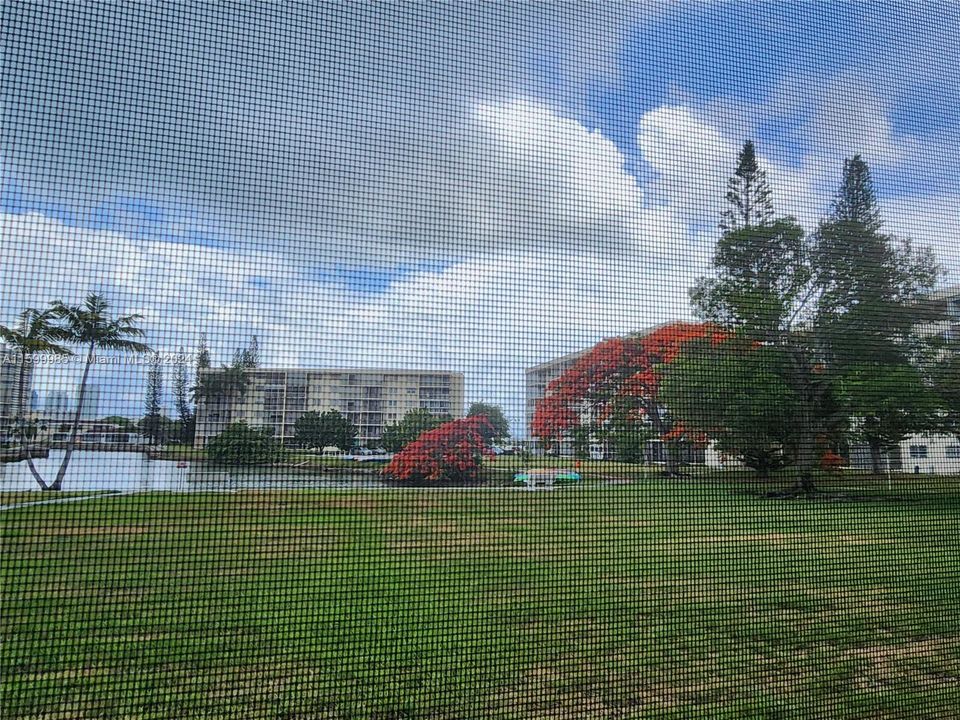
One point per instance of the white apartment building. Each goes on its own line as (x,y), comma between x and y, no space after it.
(91,402)
(539,376)
(369,398)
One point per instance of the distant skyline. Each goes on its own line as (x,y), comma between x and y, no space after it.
(466,187)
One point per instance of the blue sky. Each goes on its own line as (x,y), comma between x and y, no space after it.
(473,186)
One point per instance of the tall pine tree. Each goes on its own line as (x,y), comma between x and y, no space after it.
(181,393)
(203,354)
(153,415)
(761,262)
(868,284)
(748,193)
(856,200)
(869,287)
(249,358)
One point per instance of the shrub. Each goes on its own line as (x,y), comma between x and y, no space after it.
(240,444)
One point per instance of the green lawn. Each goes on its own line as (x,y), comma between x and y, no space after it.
(656,599)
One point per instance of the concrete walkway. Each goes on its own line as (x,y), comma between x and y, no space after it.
(76,498)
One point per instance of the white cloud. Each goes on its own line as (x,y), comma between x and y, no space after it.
(931,222)
(692,161)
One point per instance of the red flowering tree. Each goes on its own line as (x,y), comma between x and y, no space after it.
(617,383)
(452,452)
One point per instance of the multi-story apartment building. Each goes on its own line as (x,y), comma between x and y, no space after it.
(10,387)
(58,406)
(91,402)
(539,376)
(370,399)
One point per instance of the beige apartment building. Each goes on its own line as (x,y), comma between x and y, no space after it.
(371,399)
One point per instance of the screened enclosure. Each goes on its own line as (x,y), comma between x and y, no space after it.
(480,360)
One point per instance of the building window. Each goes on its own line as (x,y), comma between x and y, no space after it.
(918,451)
(953,452)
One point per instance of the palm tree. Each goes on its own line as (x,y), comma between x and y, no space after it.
(35,333)
(91,326)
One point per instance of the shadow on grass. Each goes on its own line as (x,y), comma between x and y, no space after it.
(941,491)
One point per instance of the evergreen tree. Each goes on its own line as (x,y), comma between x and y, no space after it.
(241,445)
(154,400)
(748,194)
(411,426)
(249,357)
(856,201)
(185,413)
(761,262)
(868,284)
(499,426)
(203,354)
(319,430)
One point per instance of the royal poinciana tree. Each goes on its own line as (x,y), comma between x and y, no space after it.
(617,385)
(450,453)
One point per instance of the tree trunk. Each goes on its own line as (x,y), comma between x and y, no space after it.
(806,459)
(811,390)
(876,458)
(58,482)
(670,465)
(24,443)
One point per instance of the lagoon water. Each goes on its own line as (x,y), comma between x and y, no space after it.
(134,472)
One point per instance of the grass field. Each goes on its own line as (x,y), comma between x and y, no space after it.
(656,599)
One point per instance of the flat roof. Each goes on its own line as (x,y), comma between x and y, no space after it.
(574,355)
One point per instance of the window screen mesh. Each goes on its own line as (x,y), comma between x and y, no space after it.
(470,360)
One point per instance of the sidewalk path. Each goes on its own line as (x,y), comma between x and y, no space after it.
(66,499)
